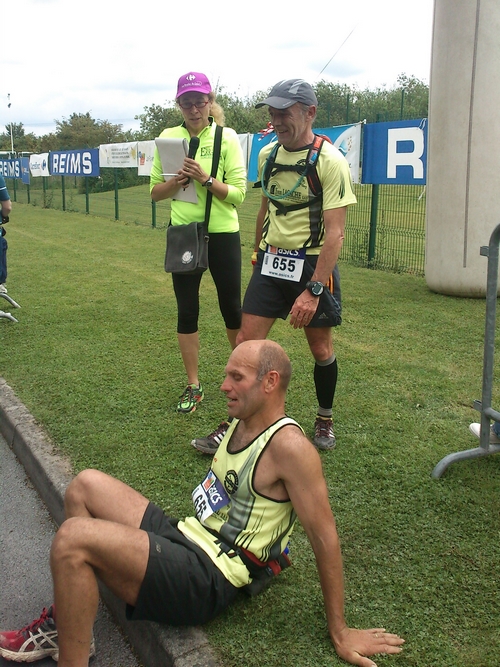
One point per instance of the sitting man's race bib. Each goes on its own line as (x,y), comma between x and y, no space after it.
(209,496)
(285,264)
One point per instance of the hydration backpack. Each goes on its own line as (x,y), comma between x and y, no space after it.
(310,172)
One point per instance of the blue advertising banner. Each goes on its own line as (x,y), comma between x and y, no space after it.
(16,168)
(395,152)
(82,162)
(258,143)
(25,170)
(10,168)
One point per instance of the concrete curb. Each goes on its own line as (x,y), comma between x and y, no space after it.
(156,645)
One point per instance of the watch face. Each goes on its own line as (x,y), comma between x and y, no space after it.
(316,288)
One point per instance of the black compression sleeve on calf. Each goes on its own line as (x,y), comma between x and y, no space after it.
(325,381)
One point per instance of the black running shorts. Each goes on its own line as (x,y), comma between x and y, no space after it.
(181,586)
(267,296)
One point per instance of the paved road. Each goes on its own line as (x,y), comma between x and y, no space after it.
(26,532)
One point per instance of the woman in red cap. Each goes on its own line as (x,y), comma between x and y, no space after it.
(201,115)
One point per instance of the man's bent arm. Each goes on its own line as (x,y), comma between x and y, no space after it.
(6,207)
(334,220)
(299,466)
(306,304)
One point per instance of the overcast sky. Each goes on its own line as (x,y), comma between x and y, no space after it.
(113,58)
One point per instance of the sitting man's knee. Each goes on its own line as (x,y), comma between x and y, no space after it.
(80,488)
(66,540)
(83,481)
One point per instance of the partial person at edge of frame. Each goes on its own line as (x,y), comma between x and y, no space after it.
(201,114)
(6,206)
(494,439)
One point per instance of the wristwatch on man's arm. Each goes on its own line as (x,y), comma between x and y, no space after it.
(315,287)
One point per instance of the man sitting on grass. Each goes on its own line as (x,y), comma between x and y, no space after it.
(265,474)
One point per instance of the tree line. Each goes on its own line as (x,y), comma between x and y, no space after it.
(338,104)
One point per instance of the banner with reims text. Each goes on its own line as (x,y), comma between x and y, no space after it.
(83,162)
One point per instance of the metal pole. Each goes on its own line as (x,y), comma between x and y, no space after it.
(11,133)
(87,202)
(491,252)
(484,405)
(116,194)
(153,214)
(373,224)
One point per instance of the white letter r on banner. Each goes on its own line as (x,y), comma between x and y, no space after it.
(395,159)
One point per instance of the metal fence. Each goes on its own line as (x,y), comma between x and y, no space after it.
(385,230)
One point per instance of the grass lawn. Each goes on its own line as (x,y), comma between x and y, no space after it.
(94,357)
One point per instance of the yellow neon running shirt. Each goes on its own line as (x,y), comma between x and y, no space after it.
(293,230)
(250,520)
(231,170)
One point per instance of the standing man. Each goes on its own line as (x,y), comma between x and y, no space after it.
(265,475)
(6,205)
(306,186)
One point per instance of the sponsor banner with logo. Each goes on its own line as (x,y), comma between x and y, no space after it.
(39,165)
(347,138)
(83,162)
(145,156)
(118,155)
(395,152)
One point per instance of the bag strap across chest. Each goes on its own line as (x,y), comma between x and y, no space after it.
(309,171)
(213,174)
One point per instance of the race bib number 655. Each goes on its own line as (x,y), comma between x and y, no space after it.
(284,264)
(209,496)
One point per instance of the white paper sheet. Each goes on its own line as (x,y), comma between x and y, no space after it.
(172,153)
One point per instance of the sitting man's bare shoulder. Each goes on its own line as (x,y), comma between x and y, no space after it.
(291,444)
(289,455)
